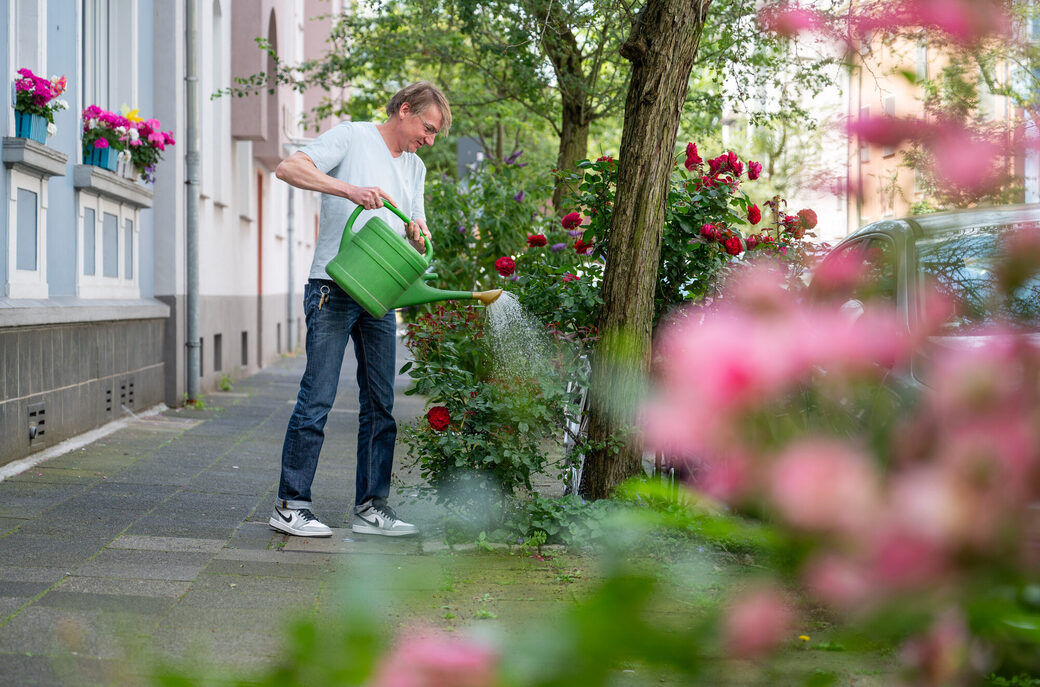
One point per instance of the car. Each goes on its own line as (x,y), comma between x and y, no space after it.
(954,253)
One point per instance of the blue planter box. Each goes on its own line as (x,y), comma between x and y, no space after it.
(101,157)
(31,126)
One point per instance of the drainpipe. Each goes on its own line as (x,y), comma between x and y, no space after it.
(292,275)
(191,157)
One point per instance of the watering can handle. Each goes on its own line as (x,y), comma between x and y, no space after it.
(349,234)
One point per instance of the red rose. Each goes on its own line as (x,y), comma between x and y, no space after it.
(754,215)
(751,241)
(753,170)
(738,168)
(605,158)
(732,159)
(571,221)
(439,418)
(808,218)
(733,246)
(582,248)
(535,240)
(571,277)
(709,232)
(505,265)
(716,164)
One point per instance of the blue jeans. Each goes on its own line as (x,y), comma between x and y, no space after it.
(375,347)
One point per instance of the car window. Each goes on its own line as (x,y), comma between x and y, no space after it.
(961,266)
(873,261)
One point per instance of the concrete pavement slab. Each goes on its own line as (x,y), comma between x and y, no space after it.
(173,589)
(187,544)
(148,565)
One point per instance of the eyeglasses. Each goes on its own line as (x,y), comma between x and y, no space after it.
(430,129)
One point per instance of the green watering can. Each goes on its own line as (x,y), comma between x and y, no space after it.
(381,271)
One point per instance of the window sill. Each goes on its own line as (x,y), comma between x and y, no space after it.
(33,158)
(111,185)
(21,312)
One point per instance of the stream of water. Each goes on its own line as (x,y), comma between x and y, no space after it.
(518,343)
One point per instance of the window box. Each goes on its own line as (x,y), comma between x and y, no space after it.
(31,126)
(111,185)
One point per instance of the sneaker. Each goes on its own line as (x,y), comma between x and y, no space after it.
(298,521)
(383,521)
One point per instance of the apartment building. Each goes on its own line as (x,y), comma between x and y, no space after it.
(93,262)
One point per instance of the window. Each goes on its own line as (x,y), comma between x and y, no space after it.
(89,242)
(25,255)
(890,111)
(28,229)
(218,352)
(245,349)
(109,253)
(921,61)
(864,148)
(30,16)
(110,53)
(128,248)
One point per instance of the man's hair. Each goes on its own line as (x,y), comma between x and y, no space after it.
(420,96)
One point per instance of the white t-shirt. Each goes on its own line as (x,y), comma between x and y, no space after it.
(356,153)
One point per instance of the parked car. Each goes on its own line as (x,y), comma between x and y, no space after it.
(954,252)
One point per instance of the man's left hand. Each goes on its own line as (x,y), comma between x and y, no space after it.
(416,230)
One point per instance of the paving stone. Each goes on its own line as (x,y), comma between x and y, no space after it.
(295,571)
(118,603)
(147,565)
(48,551)
(8,605)
(193,514)
(42,630)
(252,535)
(19,573)
(52,475)
(343,540)
(148,543)
(63,670)
(8,524)
(26,500)
(275,555)
(27,589)
(123,586)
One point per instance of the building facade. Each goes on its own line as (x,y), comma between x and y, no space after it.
(92,262)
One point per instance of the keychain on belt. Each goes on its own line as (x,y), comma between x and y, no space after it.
(324,296)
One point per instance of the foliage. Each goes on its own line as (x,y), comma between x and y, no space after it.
(475,220)
(486,434)
(708,224)
(39,96)
(137,140)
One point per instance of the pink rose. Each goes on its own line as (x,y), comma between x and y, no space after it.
(754,169)
(757,623)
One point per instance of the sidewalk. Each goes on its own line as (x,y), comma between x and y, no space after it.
(154,540)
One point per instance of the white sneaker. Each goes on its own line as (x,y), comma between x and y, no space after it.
(383,521)
(298,521)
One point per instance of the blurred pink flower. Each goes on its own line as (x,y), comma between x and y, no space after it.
(757,623)
(941,656)
(789,20)
(437,661)
(825,485)
(965,21)
(838,581)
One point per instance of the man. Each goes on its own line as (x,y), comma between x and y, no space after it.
(355,163)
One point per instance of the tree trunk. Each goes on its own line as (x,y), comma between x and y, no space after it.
(574,145)
(662,48)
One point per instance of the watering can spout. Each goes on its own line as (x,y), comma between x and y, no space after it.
(419,292)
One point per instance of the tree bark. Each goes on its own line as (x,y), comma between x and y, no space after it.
(574,145)
(662,48)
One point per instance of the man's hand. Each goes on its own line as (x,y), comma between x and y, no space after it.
(368,197)
(416,230)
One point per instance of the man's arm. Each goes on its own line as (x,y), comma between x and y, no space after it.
(298,170)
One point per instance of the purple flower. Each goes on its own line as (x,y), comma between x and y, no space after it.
(557,247)
(512,158)
(519,197)
(462,229)
(514,278)
(575,233)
